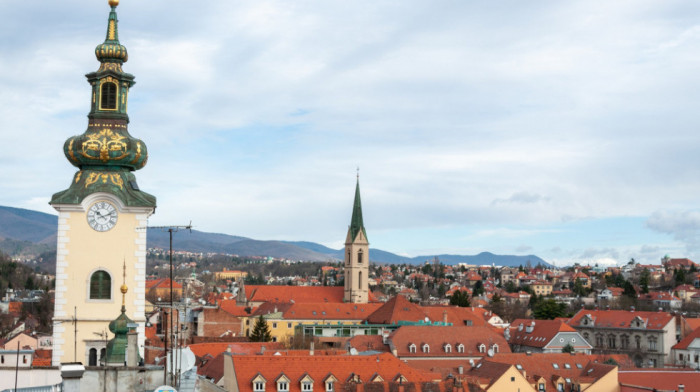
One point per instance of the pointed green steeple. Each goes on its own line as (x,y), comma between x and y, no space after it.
(356,223)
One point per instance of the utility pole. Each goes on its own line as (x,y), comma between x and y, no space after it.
(170,230)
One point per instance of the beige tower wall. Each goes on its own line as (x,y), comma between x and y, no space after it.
(80,252)
(356,272)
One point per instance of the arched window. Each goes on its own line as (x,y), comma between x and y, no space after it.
(100,285)
(426,348)
(359,280)
(448,348)
(460,348)
(482,348)
(108,96)
(494,348)
(359,257)
(412,348)
(103,352)
(92,357)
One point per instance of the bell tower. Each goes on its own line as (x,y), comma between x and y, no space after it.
(101,216)
(356,255)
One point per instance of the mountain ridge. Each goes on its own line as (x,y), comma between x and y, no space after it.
(18,225)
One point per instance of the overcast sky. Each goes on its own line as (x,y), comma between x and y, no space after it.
(568,130)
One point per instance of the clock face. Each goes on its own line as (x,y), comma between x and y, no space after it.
(102,216)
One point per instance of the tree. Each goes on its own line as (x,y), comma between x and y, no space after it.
(644,280)
(578,288)
(549,309)
(629,290)
(478,288)
(460,298)
(261,332)
(568,348)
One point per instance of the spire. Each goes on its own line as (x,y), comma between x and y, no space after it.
(111,50)
(120,327)
(356,223)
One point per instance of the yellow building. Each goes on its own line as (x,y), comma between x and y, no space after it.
(229,274)
(102,217)
(542,288)
(283,318)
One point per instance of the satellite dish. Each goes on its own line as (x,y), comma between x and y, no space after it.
(490,352)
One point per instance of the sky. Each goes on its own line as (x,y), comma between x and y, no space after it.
(568,130)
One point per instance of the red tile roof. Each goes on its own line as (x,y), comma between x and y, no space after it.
(661,379)
(41,358)
(542,334)
(163,283)
(437,338)
(552,366)
(229,306)
(622,318)
(319,368)
(318,311)
(298,294)
(399,308)
(368,343)
(693,323)
(214,349)
(685,342)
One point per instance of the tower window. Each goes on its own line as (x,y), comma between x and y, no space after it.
(359,280)
(359,257)
(100,285)
(108,96)
(92,357)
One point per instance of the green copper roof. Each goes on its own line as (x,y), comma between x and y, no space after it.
(356,223)
(106,154)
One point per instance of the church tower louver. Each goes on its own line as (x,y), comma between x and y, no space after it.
(356,255)
(101,217)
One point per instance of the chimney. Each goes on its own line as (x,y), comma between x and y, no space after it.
(71,373)
(632,309)
(311,349)
(460,369)
(520,327)
(132,349)
(444,317)
(681,388)
(262,349)
(530,327)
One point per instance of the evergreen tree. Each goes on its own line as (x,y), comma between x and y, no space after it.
(478,289)
(548,309)
(644,280)
(568,348)
(460,298)
(261,332)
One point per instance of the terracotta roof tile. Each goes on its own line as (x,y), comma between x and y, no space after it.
(319,368)
(542,334)
(661,379)
(622,318)
(437,337)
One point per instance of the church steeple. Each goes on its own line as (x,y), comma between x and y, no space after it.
(356,255)
(106,153)
(356,223)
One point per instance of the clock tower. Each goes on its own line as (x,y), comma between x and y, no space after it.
(102,217)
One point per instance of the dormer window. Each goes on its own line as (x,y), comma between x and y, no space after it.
(330,386)
(259,386)
(482,348)
(448,348)
(108,96)
(494,348)
(460,348)
(282,386)
(425,348)
(411,348)
(307,386)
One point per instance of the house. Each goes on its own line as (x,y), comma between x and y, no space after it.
(496,377)
(414,343)
(685,292)
(563,372)
(159,289)
(303,372)
(610,294)
(686,353)
(544,336)
(541,287)
(661,299)
(647,337)
(399,309)
(673,264)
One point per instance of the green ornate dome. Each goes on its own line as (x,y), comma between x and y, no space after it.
(106,148)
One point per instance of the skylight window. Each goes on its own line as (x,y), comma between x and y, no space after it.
(519,367)
(556,366)
(567,366)
(578,365)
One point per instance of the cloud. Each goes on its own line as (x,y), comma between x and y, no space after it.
(524,249)
(595,253)
(684,226)
(521,198)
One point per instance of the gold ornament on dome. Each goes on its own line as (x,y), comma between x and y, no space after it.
(114,3)
(97,177)
(100,144)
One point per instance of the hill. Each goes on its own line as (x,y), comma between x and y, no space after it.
(24,232)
